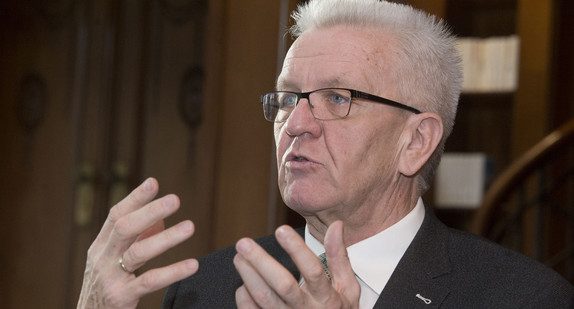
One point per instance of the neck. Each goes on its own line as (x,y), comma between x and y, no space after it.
(363,221)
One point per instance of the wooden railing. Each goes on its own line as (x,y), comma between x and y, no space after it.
(530,206)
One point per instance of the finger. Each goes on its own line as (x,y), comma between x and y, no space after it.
(266,280)
(130,226)
(159,278)
(144,250)
(139,197)
(243,299)
(344,279)
(307,262)
(156,228)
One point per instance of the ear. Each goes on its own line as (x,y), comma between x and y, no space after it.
(423,133)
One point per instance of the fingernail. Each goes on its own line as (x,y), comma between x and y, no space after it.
(170,201)
(243,245)
(148,185)
(186,226)
(281,232)
(192,265)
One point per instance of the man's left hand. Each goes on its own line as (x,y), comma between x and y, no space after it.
(267,284)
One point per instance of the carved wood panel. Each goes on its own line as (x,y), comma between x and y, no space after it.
(95,96)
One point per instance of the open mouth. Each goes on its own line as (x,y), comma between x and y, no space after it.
(300,159)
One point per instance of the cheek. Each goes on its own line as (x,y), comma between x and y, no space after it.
(280,144)
(366,156)
(351,146)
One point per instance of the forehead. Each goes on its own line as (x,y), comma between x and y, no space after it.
(336,57)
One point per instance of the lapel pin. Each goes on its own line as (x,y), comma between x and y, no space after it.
(426,300)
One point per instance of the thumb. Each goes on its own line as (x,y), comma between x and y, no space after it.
(344,279)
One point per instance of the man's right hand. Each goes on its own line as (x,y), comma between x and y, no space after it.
(133,234)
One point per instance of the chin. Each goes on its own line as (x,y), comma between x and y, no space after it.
(304,204)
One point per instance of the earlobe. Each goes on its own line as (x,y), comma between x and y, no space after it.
(424,133)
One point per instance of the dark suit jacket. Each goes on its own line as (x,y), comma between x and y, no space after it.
(453,269)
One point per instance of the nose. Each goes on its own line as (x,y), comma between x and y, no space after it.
(302,120)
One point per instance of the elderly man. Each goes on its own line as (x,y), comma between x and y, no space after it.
(365,100)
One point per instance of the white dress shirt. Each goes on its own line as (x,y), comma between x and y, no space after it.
(374,259)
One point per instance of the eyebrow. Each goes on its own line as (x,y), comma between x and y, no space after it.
(285,84)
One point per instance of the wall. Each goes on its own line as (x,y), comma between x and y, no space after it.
(95,96)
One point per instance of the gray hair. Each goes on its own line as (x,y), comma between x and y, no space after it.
(428,65)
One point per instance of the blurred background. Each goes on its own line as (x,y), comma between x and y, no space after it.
(97,95)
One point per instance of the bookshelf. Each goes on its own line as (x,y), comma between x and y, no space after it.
(484,118)
(505,124)
(485,113)
(525,109)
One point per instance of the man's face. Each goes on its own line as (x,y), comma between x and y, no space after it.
(339,167)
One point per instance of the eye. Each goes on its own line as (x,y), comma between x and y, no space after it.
(338,99)
(287,99)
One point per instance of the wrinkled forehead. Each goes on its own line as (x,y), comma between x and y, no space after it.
(336,57)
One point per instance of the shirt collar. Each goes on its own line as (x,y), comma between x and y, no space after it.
(374,259)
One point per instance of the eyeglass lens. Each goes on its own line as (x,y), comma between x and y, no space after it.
(325,104)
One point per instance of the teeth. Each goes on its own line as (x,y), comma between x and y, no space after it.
(300,159)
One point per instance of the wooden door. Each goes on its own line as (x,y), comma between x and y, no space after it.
(95,96)
(38,120)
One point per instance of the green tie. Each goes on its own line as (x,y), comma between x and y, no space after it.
(323,259)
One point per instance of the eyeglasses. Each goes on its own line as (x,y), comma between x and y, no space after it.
(326,103)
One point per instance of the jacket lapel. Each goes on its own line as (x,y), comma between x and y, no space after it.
(412,284)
